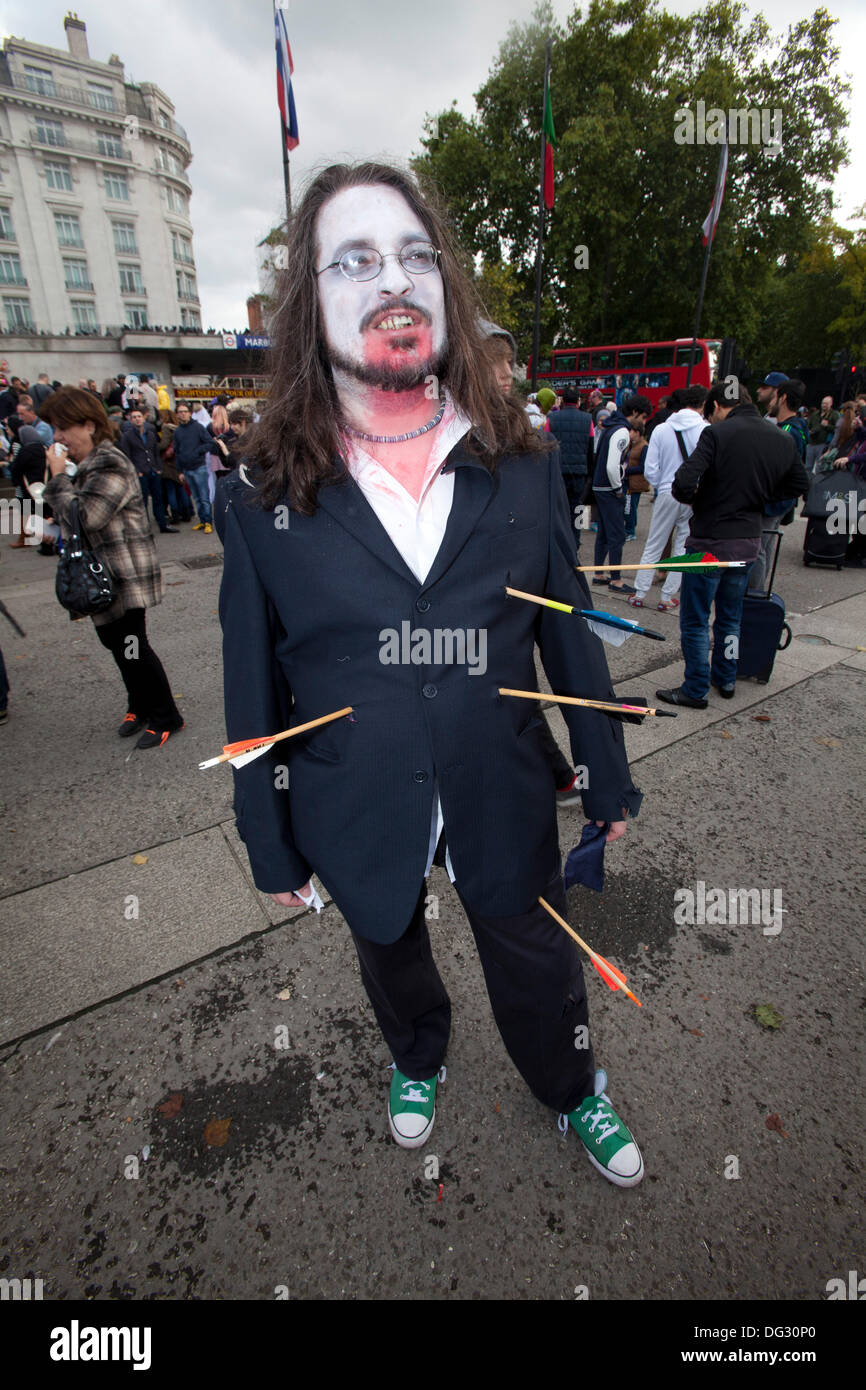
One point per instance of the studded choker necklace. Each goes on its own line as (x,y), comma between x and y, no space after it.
(397,438)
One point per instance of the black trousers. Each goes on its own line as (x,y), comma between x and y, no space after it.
(149,693)
(536,987)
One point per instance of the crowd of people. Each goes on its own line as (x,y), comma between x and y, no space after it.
(119,453)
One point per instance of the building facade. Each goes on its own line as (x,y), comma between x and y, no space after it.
(95,233)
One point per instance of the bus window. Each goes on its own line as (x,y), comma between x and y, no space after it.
(684,354)
(605,360)
(566,361)
(630,358)
(583,362)
(660,356)
(543,365)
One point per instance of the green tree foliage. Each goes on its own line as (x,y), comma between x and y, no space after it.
(625,188)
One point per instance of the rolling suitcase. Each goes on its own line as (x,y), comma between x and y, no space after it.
(822,547)
(763,630)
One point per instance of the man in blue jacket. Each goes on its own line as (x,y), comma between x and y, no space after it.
(390,494)
(572,428)
(192,444)
(138,441)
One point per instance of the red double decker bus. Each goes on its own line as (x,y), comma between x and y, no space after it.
(622,369)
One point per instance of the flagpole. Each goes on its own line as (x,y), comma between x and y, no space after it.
(287,183)
(710,240)
(539,251)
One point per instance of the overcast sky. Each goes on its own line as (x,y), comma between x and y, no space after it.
(366,74)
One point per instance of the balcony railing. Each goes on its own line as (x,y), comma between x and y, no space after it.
(74,286)
(184,257)
(67,142)
(138,290)
(71,96)
(186,297)
(19,281)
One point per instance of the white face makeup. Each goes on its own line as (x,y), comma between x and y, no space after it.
(388,332)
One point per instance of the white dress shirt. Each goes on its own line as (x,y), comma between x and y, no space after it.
(416,528)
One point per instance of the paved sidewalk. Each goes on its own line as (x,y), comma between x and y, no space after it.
(254,1016)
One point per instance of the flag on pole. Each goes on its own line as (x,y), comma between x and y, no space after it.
(712,217)
(549,147)
(285,68)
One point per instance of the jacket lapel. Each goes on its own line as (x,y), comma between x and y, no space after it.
(346,503)
(474,486)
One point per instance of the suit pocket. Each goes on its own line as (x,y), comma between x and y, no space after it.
(321,749)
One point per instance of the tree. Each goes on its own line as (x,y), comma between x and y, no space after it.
(625,189)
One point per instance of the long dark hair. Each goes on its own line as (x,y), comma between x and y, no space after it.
(296,443)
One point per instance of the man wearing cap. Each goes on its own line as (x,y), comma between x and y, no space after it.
(768,395)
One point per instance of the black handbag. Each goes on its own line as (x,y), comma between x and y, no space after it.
(83,584)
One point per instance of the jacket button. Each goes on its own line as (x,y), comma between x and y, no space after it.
(420,776)
(422,604)
(429,692)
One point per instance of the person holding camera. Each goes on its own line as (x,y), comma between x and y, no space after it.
(115,526)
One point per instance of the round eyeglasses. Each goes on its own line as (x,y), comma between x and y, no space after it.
(365,263)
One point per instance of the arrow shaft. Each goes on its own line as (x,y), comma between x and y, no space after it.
(575,700)
(597,960)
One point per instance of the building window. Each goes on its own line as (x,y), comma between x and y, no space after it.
(57,176)
(164,120)
(189,319)
(76,276)
(100,97)
(109,145)
(18,315)
(49,132)
(185,285)
(182,248)
(130,279)
(83,314)
(117,186)
(10,270)
(176,202)
(7,231)
(124,238)
(68,229)
(39,80)
(135,315)
(168,161)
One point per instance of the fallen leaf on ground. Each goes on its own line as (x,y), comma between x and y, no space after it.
(139,859)
(761,718)
(696,1032)
(773,1122)
(285,993)
(216,1132)
(767,1016)
(725,734)
(829,742)
(170,1107)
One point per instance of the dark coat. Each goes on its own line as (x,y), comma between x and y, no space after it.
(142,451)
(305,610)
(735,469)
(571,427)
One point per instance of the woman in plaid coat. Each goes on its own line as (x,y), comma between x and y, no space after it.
(115,526)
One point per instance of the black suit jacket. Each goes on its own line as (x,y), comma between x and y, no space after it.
(143,453)
(304,604)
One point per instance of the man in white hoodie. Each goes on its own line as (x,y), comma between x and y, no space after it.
(670,444)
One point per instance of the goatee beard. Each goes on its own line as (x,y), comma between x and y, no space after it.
(389,378)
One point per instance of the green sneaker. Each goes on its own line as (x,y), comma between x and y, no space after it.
(609,1145)
(412,1108)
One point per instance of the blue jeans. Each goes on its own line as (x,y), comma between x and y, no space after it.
(177,498)
(4,683)
(728,589)
(631,513)
(151,486)
(198,482)
(610,537)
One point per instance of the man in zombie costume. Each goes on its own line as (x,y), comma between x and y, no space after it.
(390,483)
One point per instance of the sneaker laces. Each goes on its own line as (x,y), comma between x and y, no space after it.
(602,1117)
(412,1095)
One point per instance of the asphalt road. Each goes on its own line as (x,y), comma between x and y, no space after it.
(194,1084)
